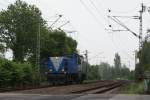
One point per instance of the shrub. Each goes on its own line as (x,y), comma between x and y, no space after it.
(13,74)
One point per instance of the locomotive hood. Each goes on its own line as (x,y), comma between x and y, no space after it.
(55,62)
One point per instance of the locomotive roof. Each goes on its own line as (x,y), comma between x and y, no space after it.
(69,55)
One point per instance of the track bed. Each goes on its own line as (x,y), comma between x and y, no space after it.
(89,88)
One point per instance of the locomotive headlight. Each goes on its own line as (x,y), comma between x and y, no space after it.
(50,70)
(62,70)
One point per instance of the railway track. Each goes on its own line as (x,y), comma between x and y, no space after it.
(87,88)
(100,89)
(20,89)
(10,89)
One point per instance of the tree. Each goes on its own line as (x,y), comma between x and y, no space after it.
(93,72)
(117,64)
(145,56)
(125,72)
(109,72)
(144,60)
(2,48)
(105,71)
(19,25)
(56,43)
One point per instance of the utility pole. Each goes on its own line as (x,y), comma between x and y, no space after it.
(141,26)
(86,58)
(38,51)
(135,57)
(129,63)
(38,46)
(86,55)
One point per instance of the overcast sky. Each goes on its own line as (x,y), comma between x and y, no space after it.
(89,19)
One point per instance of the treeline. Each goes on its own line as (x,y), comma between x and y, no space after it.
(143,67)
(109,72)
(105,71)
(20,25)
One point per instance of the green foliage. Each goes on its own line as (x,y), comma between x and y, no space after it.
(2,48)
(105,71)
(19,25)
(138,72)
(125,73)
(14,74)
(56,43)
(145,56)
(108,72)
(93,73)
(144,61)
(134,88)
(117,65)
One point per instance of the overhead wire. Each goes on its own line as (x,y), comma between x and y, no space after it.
(121,12)
(117,47)
(123,51)
(88,9)
(95,7)
(125,12)
(99,12)
(96,19)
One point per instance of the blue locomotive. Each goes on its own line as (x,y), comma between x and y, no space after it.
(66,69)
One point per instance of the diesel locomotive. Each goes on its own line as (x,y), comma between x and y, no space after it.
(66,69)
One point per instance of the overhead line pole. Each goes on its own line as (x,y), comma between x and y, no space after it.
(87,64)
(38,51)
(141,26)
(38,46)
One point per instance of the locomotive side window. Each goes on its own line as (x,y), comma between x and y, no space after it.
(66,65)
(79,60)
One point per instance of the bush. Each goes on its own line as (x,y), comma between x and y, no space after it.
(134,88)
(93,73)
(13,74)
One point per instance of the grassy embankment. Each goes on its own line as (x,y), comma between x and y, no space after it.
(134,88)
